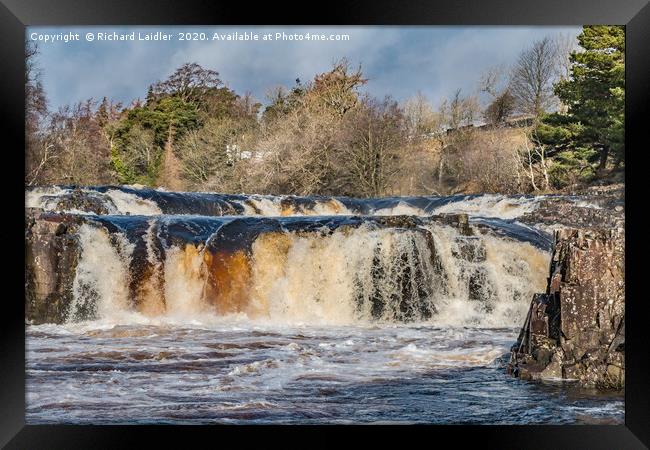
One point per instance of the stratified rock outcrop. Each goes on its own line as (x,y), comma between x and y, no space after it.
(576,330)
(597,207)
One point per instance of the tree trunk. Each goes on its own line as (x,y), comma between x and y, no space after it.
(170,174)
(604,153)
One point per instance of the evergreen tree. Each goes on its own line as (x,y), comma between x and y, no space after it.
(593,128)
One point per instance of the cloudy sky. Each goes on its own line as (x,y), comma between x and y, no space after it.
(398,61)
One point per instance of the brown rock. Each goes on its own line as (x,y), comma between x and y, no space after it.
(581,318)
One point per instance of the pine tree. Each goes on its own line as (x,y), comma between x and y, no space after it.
(595,95)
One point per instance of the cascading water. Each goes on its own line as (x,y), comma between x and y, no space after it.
(130,200)
(202,308)
(347,275)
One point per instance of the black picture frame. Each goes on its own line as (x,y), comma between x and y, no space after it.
(15,15)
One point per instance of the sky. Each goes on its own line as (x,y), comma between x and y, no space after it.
(398,61)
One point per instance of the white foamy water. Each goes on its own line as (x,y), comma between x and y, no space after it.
(358,275)
(234,370)
(37,197)
(493,205)
(101,279)
(114,200)
(362,324)
(126,203)
(134,202)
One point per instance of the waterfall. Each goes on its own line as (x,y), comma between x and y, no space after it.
(330,271)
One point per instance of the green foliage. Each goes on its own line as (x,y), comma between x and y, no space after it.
(595,93)
(592,130)
(570,167)
(218,103)
(146,130)
(557,130)
(138,160)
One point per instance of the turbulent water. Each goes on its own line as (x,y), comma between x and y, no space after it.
(203,308)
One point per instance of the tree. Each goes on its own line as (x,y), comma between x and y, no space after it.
(583,138)
(140,159)
(532,78)
(458,116)
(595,93)
(39,152)
(209,155)
(500,108)
(282,101)
(420,118)
(459,111)
(337,90)
(190,82)
(502,103)
(372,135)
(300,133)
(82,152)
(494,81)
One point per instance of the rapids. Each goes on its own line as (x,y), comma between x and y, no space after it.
(136,200)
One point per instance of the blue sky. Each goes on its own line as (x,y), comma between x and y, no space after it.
(399,61)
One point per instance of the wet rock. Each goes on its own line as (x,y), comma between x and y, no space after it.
(460,221)
(90,202)
(51,255)
(558,211)
(577,328)
(470,249)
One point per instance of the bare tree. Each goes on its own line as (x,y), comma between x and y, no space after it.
(494,80)
(459,111)
(338,88)
(209,155)
(189,82)
(502,103)
(39,152)
(372,135)
(420,118)
(76,147)
(533,76)
(500,108)
(458,116)
(565,44)
(300,150)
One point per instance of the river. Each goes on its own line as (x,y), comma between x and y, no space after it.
(207,308)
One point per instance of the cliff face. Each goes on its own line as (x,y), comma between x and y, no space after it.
(576,330)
